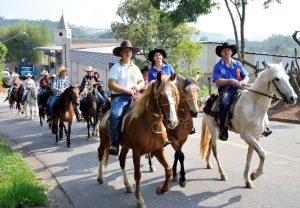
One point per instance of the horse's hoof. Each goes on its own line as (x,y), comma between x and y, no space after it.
(129,189)
(224,178)
(56,143)
(182,184)
(159,190)
(100,180)
(252,176)
(152,169)
(249,185)
(69,146)
(140,204)
(175,179)
(209,166)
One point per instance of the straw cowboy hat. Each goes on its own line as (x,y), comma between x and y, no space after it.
(156,50)
(226,45)
(53,75)
(88,69)
(45,73)
(60,69)
(15,75)
(125,44)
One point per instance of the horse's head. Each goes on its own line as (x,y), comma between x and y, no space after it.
(279,83)
(167,98)
(33,93)
(72,93)
(190,91)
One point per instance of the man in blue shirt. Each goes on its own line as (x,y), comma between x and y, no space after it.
(229,75)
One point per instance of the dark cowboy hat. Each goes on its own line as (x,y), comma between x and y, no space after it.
(125,44)
(226,45)
(161,51)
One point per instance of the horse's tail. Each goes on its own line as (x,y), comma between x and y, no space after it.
(106,154)
(205,139)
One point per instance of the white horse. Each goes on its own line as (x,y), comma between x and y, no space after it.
(31,102)
(250,118)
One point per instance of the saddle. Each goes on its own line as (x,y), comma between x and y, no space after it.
(212,108)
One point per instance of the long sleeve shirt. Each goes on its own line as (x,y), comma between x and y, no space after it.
(60,83)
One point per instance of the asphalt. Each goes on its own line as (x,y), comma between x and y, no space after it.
(71,173)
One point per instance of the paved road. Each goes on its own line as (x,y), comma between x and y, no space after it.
(76,169)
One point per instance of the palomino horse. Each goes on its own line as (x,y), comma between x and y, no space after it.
(16,98)
(187,108)
(42,103)
(144,132)
(249,118)
(90,111)
(30,102)
(64,112)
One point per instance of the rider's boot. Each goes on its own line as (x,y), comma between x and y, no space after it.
(78,114)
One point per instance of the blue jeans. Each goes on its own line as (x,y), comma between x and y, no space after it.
(24,95)
(224,104)
(118,104)
(51,102)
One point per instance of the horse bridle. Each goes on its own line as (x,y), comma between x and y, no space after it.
(266,95)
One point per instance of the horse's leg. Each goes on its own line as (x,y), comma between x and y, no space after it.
(175,178)
(137,177)
(122,160)
(88,121)
(41,114)
(246,171)
(182,179)
(151,167)
(215,152)
(102,149)
(55,129)
(208,163)
(61,128)
(161,157)
(69,133)
(261,153)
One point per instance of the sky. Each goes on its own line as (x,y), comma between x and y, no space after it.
(260,23)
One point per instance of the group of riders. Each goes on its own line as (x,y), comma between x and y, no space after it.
(125,80)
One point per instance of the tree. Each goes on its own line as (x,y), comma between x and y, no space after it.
(3,52)
(23,45)
(182,11)
(145,27)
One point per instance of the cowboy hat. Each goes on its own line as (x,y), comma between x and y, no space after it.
(60,69)
(88,69)
(45,72)
(53,75)
(125,44)
(156,50)
(28,75)
(15,75)
(226,45)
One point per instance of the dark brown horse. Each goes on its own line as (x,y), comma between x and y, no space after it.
(64,112)
(187,108)
(42,103)
(143,131)
(15,100)
(90,111)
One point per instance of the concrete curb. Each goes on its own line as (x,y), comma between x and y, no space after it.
(57,196)
(285,120)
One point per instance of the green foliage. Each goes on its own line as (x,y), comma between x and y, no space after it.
(182,11)
(185,55)
(3,52)
(18,185)
(23,45)
(204,91)
(144,26)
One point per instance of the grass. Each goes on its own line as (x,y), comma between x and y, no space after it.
(18,184)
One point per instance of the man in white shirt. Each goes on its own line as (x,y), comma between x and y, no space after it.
(125,80)
(28,84)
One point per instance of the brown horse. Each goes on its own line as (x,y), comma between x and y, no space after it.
(144,132)
(187,108)
(64,113)
(16,98)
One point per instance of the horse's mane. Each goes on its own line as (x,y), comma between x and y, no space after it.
(272,70)
(149,96)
